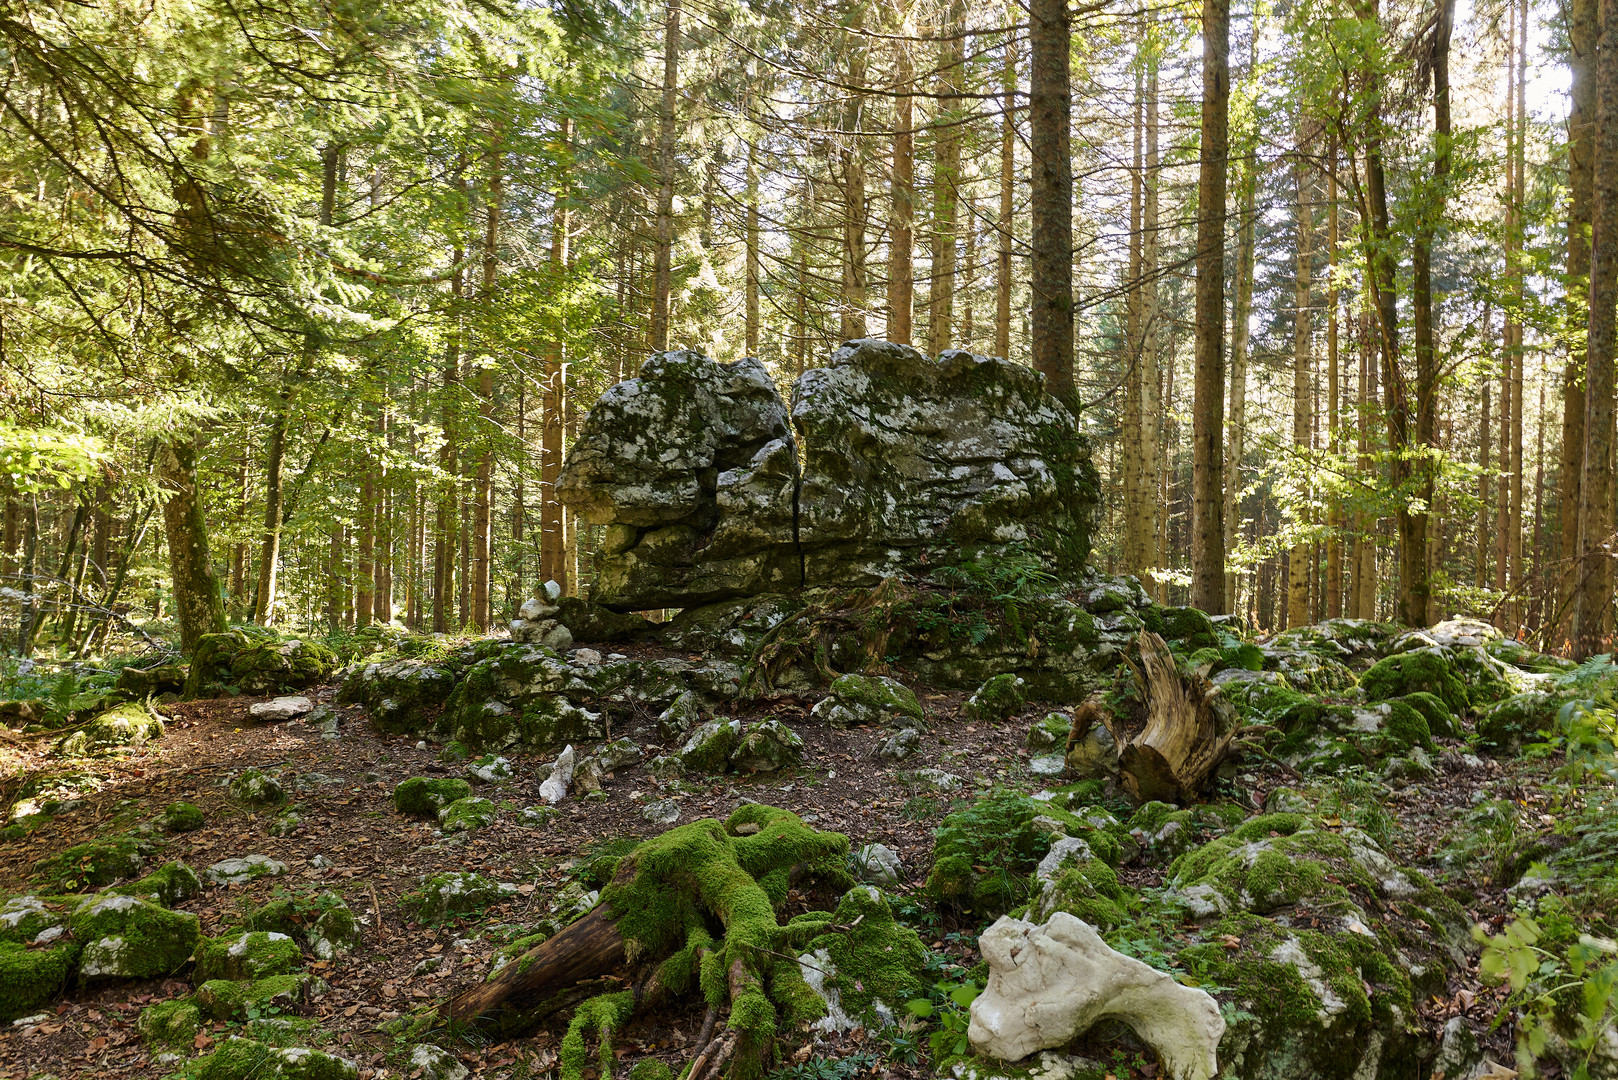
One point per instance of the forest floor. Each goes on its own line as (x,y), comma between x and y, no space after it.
(344,791)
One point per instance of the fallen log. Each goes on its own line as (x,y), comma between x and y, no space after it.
(1189,728)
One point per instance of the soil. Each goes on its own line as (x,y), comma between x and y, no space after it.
(344,790)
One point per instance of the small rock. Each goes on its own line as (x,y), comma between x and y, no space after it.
(554,790)
(319,862)
(1047,765)
(899,746)
(661,812)
(536,609)
(1048,732)
(937,779)
(996,701)
(538,815)
(488,769)
(587,657)
(182,817)
(256,788)
(552,591)
(465,815)
(681,717)
(618,755)
(240,871)
(421,744)
(434,1063)
(878,864)
(281,708)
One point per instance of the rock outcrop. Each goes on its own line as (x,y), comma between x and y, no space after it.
(892,463)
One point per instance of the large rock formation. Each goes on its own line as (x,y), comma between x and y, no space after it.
(905,463)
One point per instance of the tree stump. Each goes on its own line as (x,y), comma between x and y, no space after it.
(1189,728)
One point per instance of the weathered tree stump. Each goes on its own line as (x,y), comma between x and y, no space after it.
(1189,728)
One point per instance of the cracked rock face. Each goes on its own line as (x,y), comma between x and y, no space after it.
(889,459)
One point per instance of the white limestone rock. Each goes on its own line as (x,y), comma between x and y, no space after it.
(554,789)
(1050,983)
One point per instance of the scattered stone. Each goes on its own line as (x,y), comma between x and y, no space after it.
(899,746)
(1095,756)
(401,696)
(488,769)
(587,657)
(682,716)
(465,815)
(425,796)
(181,817)
(937,779)
(454,893)
(1048,984)
(255,788)
(128,726)
(170,884)
(248,1059)
(435,1063)
(766,746)
(618,755)
(286,823)
(661,812)
(281,708)
(996,701)
(537,816)
(708,749)
(876,700)
(170,1026)
(878,864)
(1049,731)
(242,870)
(555,787)
(665,768)
(1047,765)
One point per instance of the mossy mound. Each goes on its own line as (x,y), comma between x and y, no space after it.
(325,923)
(127,727)
(235,661)
(1187,628)
(875,700)
(1504,727)
(766,745)
(232,999)
(251,787)
(172,883)
(251,955)
(402,697)
(142,683)
(37,955)
(985,853)
(868,971)
(248,1059)
(170,1026)
(92,865)
(709,747)
(466,815)
(126,937)
(1085,887)
(424,796)
(181,817)
(996,701)
(1419,671)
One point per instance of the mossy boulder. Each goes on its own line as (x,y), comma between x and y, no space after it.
(1504,727)
(241,870)
(402,697)
(488,769)
(230,999)
(248,1059)
(875,700)
(172,883)
(454,893)
(127,727)
(542,722)
(125,937)
(425,796)
(766,746)
(1050,732)
(1081,885)
(142,683)
(867,972)
(709,747)
(1188,628)
(253,954)
(325,922)
(252,787)
(1440,721)
(466,815)
(181,817)
(37,954)
(996,701)
(1418,671)
(237,661)
(170,1027)
(92,864)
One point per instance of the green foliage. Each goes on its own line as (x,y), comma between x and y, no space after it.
(824,1068)
(1008,578)
(949,1009)
(1547,987)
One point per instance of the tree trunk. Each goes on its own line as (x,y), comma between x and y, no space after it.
(449,465)
(753,269)
(1051,204)
(946,184)
(1519,285)
(1208,404)
(197,604)
(1334,515)
(483,482)
(1006,225)
(1136,508)
(1303,362)
(1593,598)
(1189,728)
(852,159)
(663,246)
(901,267)
(1153,429)
(552,540)
(1581,123)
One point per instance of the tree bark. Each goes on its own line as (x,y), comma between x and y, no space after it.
(1189,728)
(1581,121)
(552,537)
(1051,204)
(1208,404)
(1594,595)
(198,607)
(754,267)
(1006,225)
(901,266)
(663,246)
(483,481)
(1303,362)
(946,185)
(851,157)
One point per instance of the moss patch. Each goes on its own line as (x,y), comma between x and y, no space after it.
(424,797)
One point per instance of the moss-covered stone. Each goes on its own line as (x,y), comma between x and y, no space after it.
(402,697)
(170,1026)
(874,700)
(126,727)
(325,923)
(426,796)
(872,968)
(1421,670)
(709,747)
(92,864)
(29,977)
(1440,721)
(1050,732)
(1405,727)
(181,817)
(454,893)
(1188,628)
(1506,726)
(125,937)
(142,683)
(250,955)
(248,1059)
(239,871)
(235,660)
(465,815)
(996,701)
(252,787)
(766,746)
(230,999)
(172,883)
